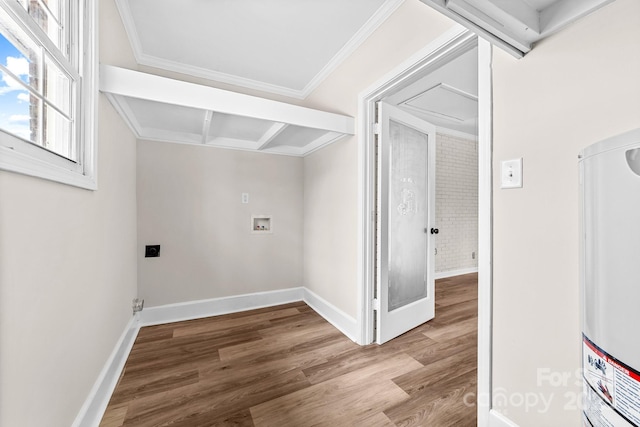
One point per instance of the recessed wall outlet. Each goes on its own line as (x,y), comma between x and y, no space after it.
(137,305)
(511,173)
(152,251)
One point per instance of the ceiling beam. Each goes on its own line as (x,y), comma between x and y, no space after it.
(265,141)
(206,125)
(513,24)
(320,142)
(510,12)
(478,28)
(124,82)
(494,20)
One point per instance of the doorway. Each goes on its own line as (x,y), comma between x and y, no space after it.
(451,45)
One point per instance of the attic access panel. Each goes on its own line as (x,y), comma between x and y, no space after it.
(163,109)
(446,102)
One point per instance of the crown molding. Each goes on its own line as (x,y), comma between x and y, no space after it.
(359,37)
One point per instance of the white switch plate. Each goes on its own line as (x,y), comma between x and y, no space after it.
(245,198)
(511,174)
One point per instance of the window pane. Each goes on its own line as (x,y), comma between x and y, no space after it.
(57,133)
(15,108)
(18,53)
(47,14)
(57,86)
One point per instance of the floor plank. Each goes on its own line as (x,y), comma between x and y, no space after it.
(286,366)
(350,398)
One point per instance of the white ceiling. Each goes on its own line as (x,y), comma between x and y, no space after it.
(280,46)
(289,47)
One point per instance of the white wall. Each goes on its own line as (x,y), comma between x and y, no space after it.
(456,203)
(575,88)
(331,174)
(67,276)
(189,202)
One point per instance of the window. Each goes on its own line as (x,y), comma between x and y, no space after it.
(47,89)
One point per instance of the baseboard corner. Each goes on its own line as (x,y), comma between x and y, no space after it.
(338,318)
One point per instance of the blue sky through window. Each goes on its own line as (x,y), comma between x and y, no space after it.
(14,99)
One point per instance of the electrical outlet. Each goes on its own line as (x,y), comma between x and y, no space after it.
(137,305)
(511,175)
(245,198)
(473,255)
(152,251)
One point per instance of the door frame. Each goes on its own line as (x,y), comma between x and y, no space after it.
(446,47)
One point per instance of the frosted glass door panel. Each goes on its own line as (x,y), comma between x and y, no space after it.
(407,215)
(405,207)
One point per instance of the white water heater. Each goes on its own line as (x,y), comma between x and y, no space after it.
(610,281)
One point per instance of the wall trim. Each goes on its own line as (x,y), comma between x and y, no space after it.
(453,273)
(332,314)
(485,231)
(217,306)
(96,402)
(496,419)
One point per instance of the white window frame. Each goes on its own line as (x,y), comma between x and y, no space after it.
(17,155)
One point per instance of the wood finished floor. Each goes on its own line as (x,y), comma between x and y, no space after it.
(286,366)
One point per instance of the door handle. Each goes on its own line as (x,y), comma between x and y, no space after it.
(434,231)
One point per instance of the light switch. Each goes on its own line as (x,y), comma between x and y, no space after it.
(245,198)
(511,175)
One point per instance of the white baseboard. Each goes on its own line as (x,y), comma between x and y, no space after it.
(496,419)
(338,318)
(217,306)
(96,402)
(452,273)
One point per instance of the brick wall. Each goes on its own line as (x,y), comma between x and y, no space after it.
(456,203)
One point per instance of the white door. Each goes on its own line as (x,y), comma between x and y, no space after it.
(406,212)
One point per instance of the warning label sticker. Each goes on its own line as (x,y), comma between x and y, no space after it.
(611,389)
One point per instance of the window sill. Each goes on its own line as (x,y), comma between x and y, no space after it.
(13,161)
